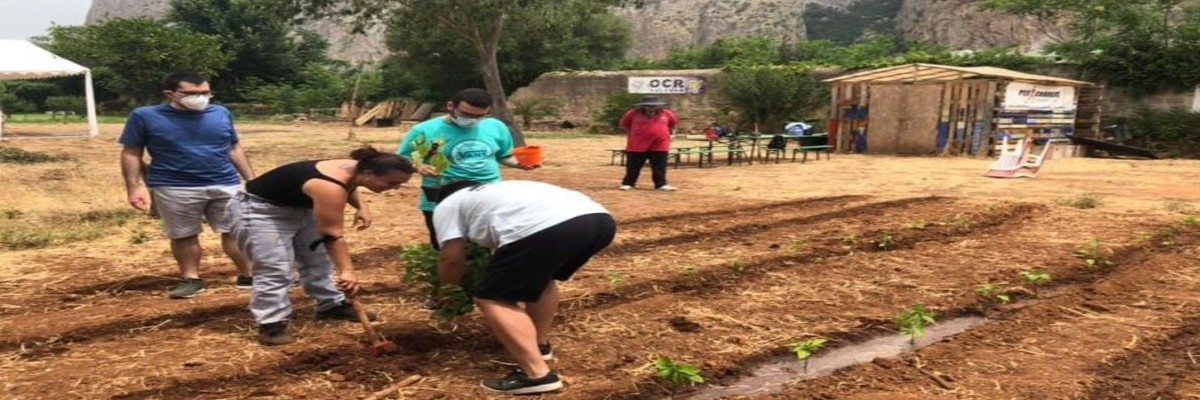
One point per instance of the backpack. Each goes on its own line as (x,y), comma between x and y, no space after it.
(777,143)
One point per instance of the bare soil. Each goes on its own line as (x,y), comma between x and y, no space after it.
(723,274)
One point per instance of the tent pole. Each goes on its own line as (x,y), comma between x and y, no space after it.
(93,126)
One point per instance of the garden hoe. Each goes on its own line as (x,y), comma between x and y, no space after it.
(379,344)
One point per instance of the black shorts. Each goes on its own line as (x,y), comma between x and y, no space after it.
(521,270)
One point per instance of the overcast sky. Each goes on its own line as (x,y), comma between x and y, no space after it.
(21,19)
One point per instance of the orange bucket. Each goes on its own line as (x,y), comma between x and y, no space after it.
(530,156)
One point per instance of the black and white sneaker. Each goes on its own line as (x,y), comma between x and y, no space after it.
(517,382)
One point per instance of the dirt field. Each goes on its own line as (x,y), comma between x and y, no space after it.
(722,274)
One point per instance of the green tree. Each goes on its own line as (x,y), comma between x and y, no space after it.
(535,108)
(259,38)
(481,24)
(738,50)
(1144,45)
(135,54)
(771,95)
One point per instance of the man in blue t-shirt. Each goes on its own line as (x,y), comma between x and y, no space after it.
(472,145)
(195,160)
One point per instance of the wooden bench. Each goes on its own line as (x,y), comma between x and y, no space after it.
(678,153)
(803,150)
(615,152)
(731,154)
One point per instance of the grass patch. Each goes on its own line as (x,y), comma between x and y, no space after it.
(1178,206)
(13,155)
(58,119)
(20,232)
(1082,202)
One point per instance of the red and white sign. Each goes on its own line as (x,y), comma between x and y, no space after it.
(1027,96)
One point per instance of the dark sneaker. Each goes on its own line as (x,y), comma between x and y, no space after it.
(274,334)
(187,289)
(431,304)
(519,383)
(545,349)
(245,282)
(344,312)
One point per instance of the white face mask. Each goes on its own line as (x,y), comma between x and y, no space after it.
(195,103)
(466,122)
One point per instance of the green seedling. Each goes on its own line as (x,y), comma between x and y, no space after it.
(797,246)
(850,240)
(912,322)
(431,153)
(918,223)
(1168,235)
(691,269)
(615,280)
(1093,253)
(1082,202)
(1191,220)
(737,266)
(13,214)
(139,237)
(887,242)
(1037,278)
(677,373)
(420,266)
(992,293)
(960,221)
(805,350)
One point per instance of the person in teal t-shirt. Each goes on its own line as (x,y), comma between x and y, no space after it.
(464,145)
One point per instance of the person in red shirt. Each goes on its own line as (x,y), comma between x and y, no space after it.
(650,125)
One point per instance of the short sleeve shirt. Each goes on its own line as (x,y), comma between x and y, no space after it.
(474,153)
(187,148)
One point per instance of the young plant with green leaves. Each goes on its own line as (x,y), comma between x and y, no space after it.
(993,293)
(677,373)
(1191,220)
(797,246)
(615,279)
(1082,202)
(738,266)
(918,223)
(420,265)
(912,322)
(1093,253)
(886,242)
(805,350)
(1036,277)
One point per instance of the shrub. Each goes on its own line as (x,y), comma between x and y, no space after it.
(14,155)
(606,119)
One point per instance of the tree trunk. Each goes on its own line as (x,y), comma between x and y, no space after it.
(490,69)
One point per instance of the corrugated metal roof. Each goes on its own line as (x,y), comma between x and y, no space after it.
(943,73)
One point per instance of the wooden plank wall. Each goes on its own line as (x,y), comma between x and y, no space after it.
(1089,101)
(967,110)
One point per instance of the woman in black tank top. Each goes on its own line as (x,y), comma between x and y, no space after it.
(294,215)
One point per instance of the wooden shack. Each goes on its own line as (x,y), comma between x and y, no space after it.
(940,109)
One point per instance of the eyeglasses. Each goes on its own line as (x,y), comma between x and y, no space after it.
(458,113)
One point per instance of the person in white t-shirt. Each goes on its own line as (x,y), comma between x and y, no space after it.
(539,233)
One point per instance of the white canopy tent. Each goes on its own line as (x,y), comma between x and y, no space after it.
(20,60)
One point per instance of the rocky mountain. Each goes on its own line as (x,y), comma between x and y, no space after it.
(660,25)
(960,24)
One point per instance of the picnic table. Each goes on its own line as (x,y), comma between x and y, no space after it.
(735,148)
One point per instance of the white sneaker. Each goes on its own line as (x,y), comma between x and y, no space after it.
(625,187)
(666,188)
